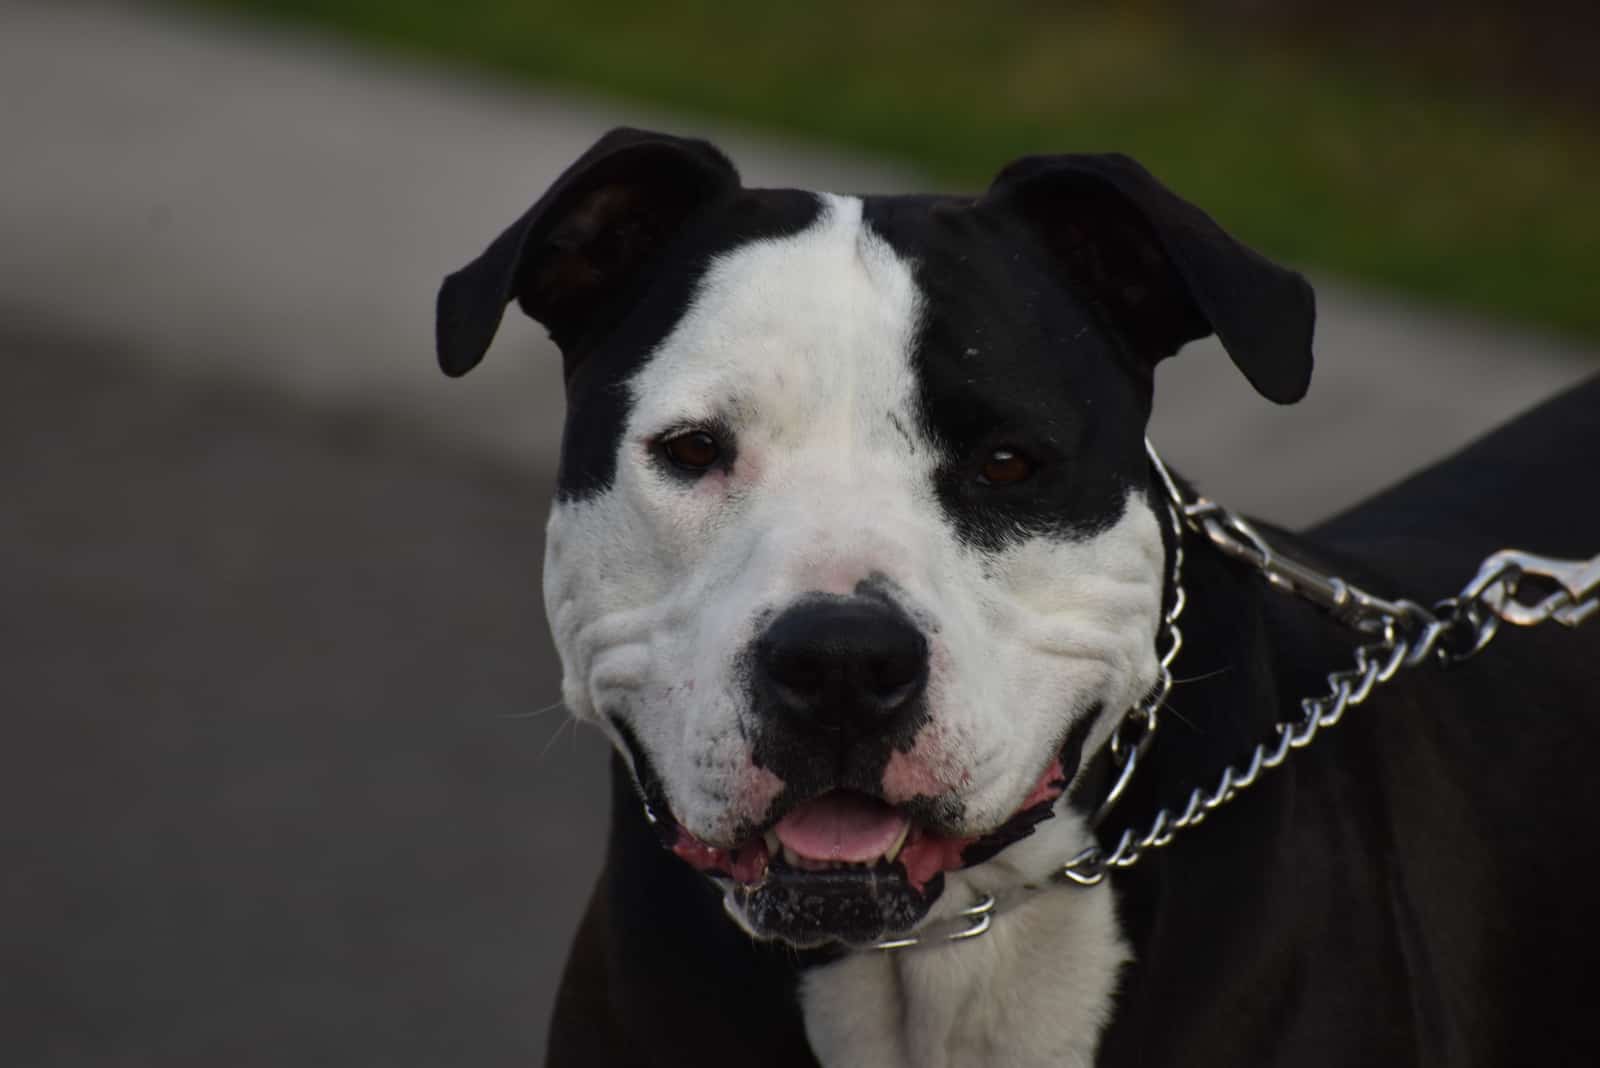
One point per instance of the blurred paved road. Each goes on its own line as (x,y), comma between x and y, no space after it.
(271,791)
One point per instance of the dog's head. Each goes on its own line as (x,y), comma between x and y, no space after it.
(856,550)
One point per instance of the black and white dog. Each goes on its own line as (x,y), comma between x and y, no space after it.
(858,558)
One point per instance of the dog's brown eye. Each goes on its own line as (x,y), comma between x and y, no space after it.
(695,450)
(1005,466)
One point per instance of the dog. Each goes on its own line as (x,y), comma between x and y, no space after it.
(859,559)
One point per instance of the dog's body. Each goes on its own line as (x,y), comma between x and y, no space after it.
(858,559)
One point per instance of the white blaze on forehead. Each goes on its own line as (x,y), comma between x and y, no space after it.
(792,338)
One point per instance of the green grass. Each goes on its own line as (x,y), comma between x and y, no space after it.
(1452,193)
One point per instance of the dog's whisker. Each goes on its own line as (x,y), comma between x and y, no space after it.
(1203,676)
(534,713)
(569,726)
(1166,706)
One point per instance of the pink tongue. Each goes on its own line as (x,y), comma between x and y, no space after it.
(841,826)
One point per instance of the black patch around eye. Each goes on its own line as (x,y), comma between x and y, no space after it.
(994,518)
(1008,355)
(1006,467)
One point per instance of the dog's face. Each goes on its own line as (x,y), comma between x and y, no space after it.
(856,552)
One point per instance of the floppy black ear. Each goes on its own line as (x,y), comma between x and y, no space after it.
(1161,269)
(577,248)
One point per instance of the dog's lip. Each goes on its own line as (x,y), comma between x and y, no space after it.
(919,851)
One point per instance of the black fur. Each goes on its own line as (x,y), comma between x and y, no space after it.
(1402,892)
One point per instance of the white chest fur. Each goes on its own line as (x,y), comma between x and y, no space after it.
(1035,991)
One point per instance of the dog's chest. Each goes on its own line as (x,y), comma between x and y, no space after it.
(1036,991)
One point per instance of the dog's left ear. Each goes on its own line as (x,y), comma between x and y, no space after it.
(576,251)
(1161,269)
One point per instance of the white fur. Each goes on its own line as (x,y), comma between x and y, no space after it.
(802,346)
(1035,990)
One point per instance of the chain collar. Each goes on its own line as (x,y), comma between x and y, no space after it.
(1399,633)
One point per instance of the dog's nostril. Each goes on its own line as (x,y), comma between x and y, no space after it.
(797,673)
(898,665)
(845,663)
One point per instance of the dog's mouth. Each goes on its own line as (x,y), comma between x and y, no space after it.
(847,867)
(843,830)
(843,865)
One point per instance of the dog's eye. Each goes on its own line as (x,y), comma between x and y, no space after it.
(1005,466)
(693,450)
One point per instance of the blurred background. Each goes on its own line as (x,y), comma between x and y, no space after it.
(283,775)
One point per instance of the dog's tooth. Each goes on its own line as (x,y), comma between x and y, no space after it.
(772,842)
(790,857)
(894,850)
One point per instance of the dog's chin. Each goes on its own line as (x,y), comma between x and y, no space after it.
(854,906)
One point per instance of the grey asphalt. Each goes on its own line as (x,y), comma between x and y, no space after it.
(273,788)
(276,783)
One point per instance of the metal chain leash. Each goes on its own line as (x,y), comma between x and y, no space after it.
(1511,586)
(1404,635)
(1141,720)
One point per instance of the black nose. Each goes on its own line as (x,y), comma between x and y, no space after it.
(848,664)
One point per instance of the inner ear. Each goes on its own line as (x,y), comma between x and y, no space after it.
(584,250)
(574,258)
(1111,253)
(604,241)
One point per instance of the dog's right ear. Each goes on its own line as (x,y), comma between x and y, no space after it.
(1161,269)
(582,243)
